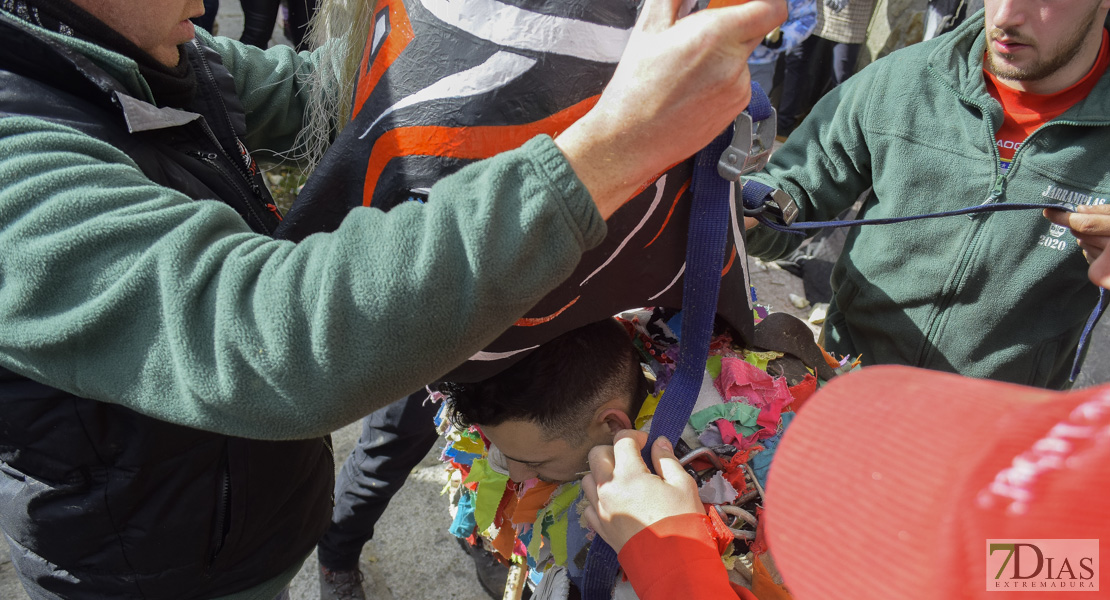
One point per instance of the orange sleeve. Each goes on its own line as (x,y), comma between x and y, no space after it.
(677,558)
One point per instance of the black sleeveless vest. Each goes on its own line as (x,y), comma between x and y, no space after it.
(98,500)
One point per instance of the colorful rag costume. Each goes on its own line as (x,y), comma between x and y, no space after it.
(741,413)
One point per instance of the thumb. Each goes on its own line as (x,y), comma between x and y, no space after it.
(666,465)
(626,452)
(658,15)
(1099,271)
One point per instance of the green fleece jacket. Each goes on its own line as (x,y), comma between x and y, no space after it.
(120,290)
(1002,296)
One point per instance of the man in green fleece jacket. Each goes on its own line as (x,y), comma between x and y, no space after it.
(1014,107)
(165,364)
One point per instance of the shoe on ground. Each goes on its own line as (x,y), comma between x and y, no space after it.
(341,585)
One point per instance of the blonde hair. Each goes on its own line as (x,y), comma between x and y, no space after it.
(339,29)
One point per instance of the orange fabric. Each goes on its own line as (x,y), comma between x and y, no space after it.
(400,35)
(722,535)
(505,508)
(829,360)
(765,588)
(505,540)
(731,258)
(529,505)
(676,558)
(473,143)
(533,321)
(677,196)
(1025,112)
(759,544)
(801,392)
(734,473)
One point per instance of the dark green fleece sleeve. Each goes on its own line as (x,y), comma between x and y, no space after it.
(120,290)
(273,87)
(824,165)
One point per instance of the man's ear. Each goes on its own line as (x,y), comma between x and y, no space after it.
(614,420)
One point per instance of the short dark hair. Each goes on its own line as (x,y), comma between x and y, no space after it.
(558,386)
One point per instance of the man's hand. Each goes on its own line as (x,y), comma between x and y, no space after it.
(679,83)
(625,497)
(1091,227)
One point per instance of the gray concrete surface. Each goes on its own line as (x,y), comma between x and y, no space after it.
(412,556)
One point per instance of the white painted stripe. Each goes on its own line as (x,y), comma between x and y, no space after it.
(659,185)
(514,27)
(484,356)
(671,284)
(498,70)
(741,245)
(379,35)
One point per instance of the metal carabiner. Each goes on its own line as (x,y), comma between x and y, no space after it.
(706,452)
(750,148)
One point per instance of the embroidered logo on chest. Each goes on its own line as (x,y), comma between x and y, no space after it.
(1063,194)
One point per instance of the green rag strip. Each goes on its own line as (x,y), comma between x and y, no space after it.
(743,415)
(491,487)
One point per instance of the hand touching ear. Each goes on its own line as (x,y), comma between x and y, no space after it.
(625,497)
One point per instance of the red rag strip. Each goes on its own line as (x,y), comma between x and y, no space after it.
(718,530)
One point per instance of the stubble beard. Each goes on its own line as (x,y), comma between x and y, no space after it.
(1043,67)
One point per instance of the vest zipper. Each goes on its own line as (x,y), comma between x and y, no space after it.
(212,160)
(237,161)
(224,508)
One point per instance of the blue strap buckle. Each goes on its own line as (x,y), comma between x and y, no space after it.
(750,148)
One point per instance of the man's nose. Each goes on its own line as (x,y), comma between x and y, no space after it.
(1009,13)
(519,472)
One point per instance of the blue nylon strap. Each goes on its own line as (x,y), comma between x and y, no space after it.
(701,284)
(759,107)
(755,195)
(1096,314)
(969,210)
(705,252)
